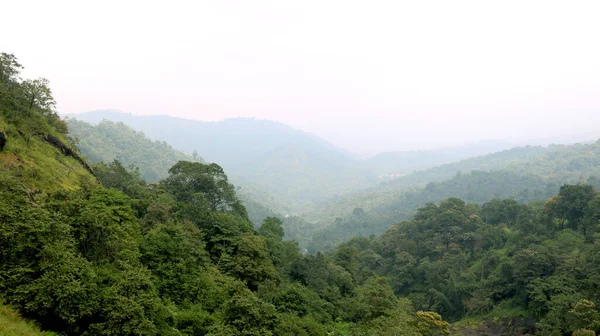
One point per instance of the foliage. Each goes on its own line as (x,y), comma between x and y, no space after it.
(109,141)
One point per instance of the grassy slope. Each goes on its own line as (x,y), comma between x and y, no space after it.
(11,324)
(41,167)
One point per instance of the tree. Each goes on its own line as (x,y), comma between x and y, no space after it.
(374,299)
(107,229)
(189,180)
(175,254)
(249,261)
(39,96)
(570,204)
(431,324)
(249,315)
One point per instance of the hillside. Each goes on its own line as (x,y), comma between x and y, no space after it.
(296,168)
(393,164)
(494,161)
(523,173)
(109,141)
(388,208)
(37,150)
(231,142)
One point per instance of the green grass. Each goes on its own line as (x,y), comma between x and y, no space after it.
(40,165)
(11,324)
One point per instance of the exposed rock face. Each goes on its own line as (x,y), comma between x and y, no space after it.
(54,141)
(2,141)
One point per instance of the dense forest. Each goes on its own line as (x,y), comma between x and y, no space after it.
(98,250)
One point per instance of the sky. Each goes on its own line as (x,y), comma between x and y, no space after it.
(368,76)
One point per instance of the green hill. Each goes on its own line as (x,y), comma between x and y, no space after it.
(109,141)
(38,151)
(523,173)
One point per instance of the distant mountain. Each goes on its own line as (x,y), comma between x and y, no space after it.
(524,173)
(230,143)
(393,164)
(295,167)
(390,208)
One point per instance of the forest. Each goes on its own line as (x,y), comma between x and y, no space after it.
(96,249)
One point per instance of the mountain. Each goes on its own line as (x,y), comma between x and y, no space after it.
(231,143)
(493,161)
(393,164)
(373,213)
(109,141)
(523,173)
(296,168)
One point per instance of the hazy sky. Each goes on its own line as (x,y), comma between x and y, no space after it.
(366,75)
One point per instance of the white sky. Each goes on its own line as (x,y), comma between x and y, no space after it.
(366,75)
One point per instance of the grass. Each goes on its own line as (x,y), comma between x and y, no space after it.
(11,324)
(40,165)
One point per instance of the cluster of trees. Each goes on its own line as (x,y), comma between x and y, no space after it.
(179,257)
(524,173)
(29,104)
(502,259)
(476,187)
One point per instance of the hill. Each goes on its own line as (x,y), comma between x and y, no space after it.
(523,173)
(231,143)
(36,148)
(296,168)
(394,164)
(181,257)
(357,218)
(109,141)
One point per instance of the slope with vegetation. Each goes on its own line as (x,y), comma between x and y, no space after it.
(11,324)
(402,163)
(296,168)
(524,173)
(109,141)
(497,266)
